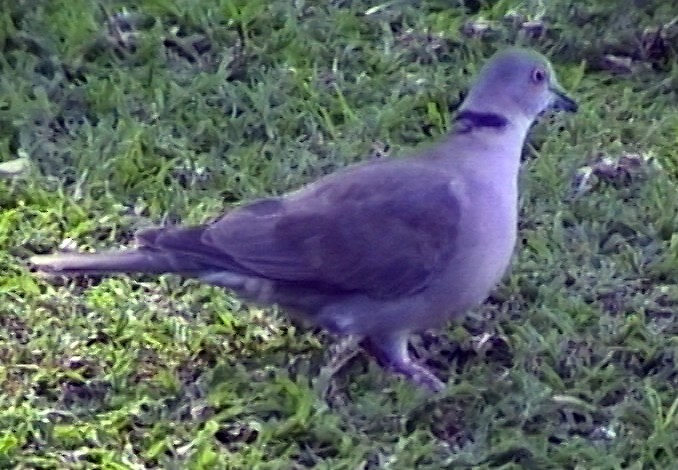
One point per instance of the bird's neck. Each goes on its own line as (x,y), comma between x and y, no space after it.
(497,141)
(491,117)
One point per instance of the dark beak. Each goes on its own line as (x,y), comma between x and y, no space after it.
(562,102)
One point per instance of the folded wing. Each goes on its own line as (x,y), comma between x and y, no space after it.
(384,231)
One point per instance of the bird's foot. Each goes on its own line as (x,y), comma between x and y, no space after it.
(391,353)
(421,376)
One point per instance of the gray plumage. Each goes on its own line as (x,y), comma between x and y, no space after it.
(380,249)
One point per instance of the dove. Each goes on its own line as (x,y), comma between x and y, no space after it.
(379,250)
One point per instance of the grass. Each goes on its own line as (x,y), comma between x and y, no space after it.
(152,112)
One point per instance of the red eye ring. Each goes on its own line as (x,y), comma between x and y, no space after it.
(538,75)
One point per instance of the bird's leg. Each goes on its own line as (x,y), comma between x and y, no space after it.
(391,352)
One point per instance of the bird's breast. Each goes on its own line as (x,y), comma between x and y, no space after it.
(484,246)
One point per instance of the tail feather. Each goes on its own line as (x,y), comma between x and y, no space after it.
(123,261)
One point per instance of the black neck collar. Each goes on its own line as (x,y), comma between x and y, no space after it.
(471,120)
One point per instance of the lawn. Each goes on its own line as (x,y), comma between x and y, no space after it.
(155,112)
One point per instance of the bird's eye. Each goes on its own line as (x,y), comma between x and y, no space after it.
(538,75)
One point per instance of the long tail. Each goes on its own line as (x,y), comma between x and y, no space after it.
(123,261)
